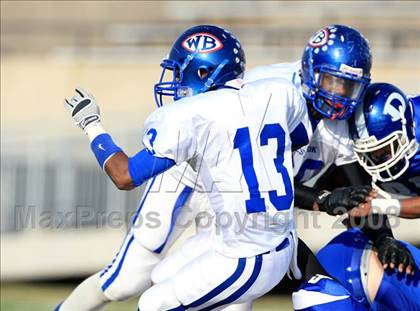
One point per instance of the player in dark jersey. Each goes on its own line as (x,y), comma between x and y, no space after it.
(386,143)
(387,146)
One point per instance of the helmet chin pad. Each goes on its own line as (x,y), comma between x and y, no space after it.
(333,107)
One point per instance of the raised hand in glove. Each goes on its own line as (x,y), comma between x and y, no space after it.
(83,109)
(341,200)
(393,254)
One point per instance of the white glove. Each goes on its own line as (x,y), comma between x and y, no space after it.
(83,109)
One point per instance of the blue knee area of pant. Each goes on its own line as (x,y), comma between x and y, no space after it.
(341,258)
(339,305)
(324,294)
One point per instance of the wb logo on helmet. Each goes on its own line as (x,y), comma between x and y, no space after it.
(319,39)
(202,43)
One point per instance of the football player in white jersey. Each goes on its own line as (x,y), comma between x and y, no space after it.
(175,197)
(224,134)
(333,75)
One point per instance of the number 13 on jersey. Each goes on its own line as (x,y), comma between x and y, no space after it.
(242,142)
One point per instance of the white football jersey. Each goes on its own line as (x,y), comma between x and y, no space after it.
(330,143)
(238,142)
(288,71)
(186,176)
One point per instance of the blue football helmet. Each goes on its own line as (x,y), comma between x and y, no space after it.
(335,72)
(383,132)
(202,58)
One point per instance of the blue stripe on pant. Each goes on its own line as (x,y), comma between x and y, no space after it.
(143,200)
(226,284)
(133,223)
(179,203)
(216,291)
(115,258)
(243,289)
(117,271)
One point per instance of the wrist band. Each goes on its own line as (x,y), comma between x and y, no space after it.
(93,130)
(386,206)
(103,147)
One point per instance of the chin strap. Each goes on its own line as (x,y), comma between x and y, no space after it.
(187,61)
(213,76)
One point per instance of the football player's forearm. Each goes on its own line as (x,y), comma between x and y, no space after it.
(404,208)
(305,197)
(127,173)
(117,169)
(354,174)
(130,172)
(110,157)
(410,208)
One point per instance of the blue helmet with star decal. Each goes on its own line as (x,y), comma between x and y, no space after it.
(336,65)
(202,58)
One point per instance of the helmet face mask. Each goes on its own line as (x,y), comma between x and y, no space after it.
(383,132)
(386,153)
(336,71)
(386,159)
(336,96)
(202,58)
(169,82)
(334,85)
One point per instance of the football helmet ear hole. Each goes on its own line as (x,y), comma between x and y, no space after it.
(177,76)
(204,72)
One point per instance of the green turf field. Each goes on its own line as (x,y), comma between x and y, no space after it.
(33,297)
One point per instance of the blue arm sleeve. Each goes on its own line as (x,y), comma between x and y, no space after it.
(144,165)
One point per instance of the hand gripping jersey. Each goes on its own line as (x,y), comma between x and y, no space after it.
(238,142)
(330,143)
(408,184)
